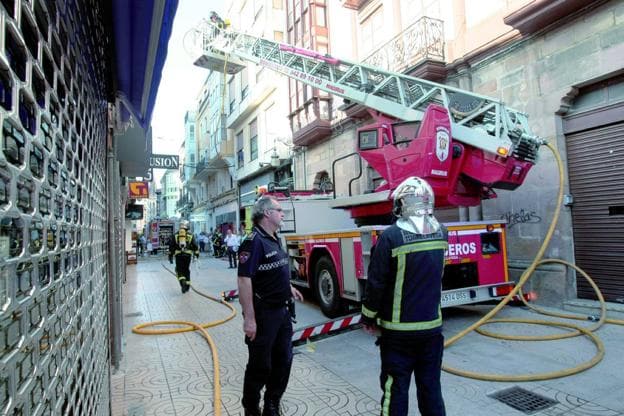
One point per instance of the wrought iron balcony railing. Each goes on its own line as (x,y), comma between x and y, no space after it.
(423,40)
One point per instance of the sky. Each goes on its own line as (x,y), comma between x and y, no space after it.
(181,80)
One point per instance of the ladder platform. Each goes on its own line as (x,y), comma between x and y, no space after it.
(220,62)
(357,200)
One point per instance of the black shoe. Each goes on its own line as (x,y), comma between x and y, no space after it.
(252,412)
(271,408)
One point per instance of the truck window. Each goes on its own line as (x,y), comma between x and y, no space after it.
(367,139)
(405,132)
(490,243)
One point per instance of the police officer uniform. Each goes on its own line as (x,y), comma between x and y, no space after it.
(182,246)
(402,298)
(262,259)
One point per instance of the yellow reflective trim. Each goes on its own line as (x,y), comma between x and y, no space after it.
(385,407)
(398,289)
(420,246)
(413,326)
(368,313)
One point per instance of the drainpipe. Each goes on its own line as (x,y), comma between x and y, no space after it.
(114,278)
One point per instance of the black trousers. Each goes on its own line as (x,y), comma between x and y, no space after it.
(270,357)
(402,358)
(231,256)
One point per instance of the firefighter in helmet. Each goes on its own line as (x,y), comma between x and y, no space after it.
(182,246)
(402,301)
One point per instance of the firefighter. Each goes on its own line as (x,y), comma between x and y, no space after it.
(266,297)
(183,247)
(402,301)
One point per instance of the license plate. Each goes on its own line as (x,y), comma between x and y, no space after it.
(455,297)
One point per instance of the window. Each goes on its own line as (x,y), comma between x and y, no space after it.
(278,36)
(278,4)
(253,140)
(320,16)
(372,32)
(240,152)
(231,94)
(244,83)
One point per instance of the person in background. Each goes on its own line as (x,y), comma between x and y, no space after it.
(266,297)
(403,299)
(142,245)
(202,242)
(182,246)
(232,241)
(217,243)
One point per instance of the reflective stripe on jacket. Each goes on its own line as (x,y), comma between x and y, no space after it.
(404,283)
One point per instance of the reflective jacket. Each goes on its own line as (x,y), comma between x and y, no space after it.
(404,285)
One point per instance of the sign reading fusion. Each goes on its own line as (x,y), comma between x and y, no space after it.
(165,162)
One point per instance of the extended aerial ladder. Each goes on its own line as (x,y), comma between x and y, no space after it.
(463,143)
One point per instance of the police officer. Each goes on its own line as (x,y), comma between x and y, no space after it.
(182,246)
(265,294)
(402,301)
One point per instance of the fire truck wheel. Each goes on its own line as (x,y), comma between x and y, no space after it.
(327,289)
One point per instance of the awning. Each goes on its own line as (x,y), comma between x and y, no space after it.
(141,31)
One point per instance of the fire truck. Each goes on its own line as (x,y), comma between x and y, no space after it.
(464,144)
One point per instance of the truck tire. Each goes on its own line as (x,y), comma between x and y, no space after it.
(326,288)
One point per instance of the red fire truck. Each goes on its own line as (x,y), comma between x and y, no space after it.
(464,144)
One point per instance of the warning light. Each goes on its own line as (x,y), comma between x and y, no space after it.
(503,151)
(489,228)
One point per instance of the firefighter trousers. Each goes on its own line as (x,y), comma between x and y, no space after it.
(183,271)
(270,357)
(421,357)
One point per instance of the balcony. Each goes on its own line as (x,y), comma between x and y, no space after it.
(417,51)
(312,123)
(353,4)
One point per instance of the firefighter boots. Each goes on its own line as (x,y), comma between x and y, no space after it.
(271,408)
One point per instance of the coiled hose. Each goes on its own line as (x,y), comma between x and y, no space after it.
(577,330)
(187,326)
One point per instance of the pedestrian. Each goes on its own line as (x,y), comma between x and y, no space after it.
(142,245)
(232,241)
(182,246)
(266,296)
(202,242)
(402,301)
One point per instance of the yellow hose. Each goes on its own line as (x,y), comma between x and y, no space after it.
(578,330)
(193,326)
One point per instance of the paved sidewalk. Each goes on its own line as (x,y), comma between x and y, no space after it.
(172,374)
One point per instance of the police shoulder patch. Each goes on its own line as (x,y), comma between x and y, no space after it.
(243,256)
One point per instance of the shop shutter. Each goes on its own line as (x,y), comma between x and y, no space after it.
(596,176)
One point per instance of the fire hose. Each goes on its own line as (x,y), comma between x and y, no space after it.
(577,329)
(187,326)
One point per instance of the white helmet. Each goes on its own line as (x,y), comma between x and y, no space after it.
(184,224)
(413,204)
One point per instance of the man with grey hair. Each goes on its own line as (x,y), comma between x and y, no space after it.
(265,294)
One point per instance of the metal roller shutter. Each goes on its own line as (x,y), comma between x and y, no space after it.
(596,175)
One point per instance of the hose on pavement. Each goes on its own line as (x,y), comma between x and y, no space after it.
(577,329)
(188,326)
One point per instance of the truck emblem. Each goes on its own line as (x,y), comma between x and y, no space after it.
(442,144)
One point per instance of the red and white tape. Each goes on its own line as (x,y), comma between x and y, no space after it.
(229,294)
(301,335)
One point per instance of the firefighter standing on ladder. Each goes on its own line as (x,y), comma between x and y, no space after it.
(403,300)
(183,247)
